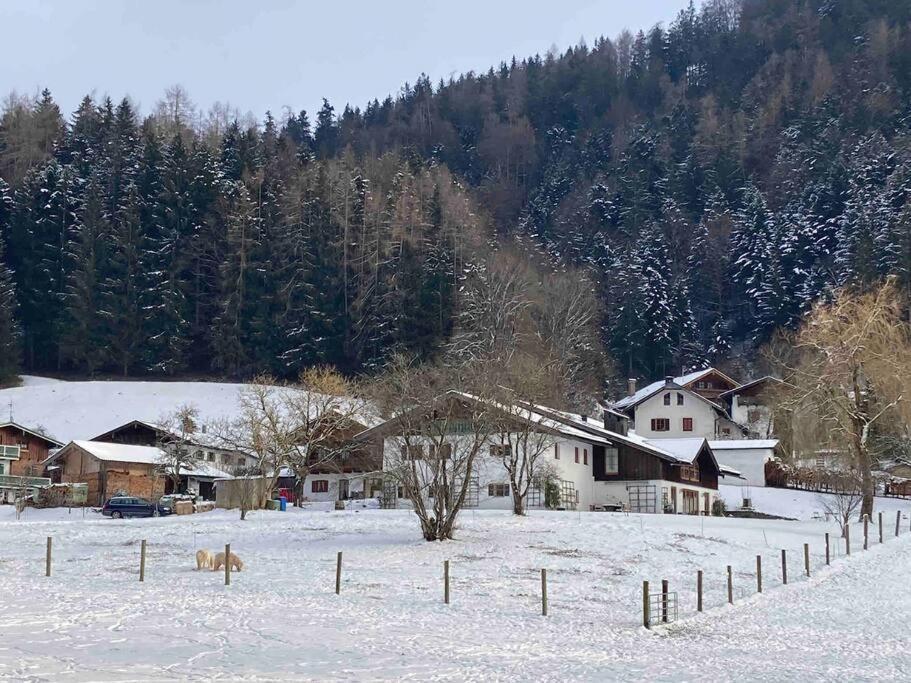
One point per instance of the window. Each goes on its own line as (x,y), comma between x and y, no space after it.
(11,452)
(584,456)
(413,452)
(556,451)
(689,472)
(501,450)
(497,490)
(611,461)
(661,424)
(679,399)
(443,453)
(700,385)
(726,431)
(577,455)
(687,424)
(319,486)
(667,399)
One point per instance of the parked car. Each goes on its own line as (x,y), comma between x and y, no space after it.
(130,506)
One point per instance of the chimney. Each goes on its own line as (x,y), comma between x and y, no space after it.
(631,386)
(669,380)
(584,418)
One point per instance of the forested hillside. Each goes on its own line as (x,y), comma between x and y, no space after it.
(710,178)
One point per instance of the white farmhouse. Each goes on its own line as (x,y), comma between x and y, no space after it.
(594,464)
(670,410)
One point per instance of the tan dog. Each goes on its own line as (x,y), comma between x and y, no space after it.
(236,563)
(204,559)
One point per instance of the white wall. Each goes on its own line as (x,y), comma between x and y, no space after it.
(490,470)
(616,493)
(702,413)
(760,426)
(750,462)
(355,484)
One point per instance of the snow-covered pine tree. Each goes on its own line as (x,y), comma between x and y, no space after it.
(9,327)
(231,339)
(656,296)
(41,227)
(121,291)
(83,339)
(173,222)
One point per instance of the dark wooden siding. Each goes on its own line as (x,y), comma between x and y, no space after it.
(633,465)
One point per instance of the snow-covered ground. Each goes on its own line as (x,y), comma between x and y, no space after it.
(82,410)
(280,618)
(796,504)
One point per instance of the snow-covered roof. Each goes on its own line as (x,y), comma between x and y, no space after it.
(742,444)
(677,383)
(683,380)
(117,452)
(683,449)
(726,471)
(656,387)
(204,470)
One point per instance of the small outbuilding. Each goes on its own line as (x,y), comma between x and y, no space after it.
(110,469)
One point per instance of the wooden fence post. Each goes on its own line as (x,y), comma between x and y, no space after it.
(664,601)
(759,573)
(645,615)
(227,564)
(544,592)
(866,531)
(898,521)
(699,591)
(848,538)
(446,581)
(142,561)
(784,566)
(880,520)
(730,586)
(338,573)
(806,557)
(47,559)
(828,554)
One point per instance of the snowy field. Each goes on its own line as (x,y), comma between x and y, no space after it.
(280,618)
(83,410)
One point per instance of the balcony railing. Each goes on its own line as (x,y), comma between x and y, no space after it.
(8,481)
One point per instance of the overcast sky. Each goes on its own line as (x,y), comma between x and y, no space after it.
(269,54)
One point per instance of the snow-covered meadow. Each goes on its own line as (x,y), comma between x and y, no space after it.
(280,618)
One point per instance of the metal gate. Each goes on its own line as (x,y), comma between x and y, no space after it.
(472,494)
(568,497)
(642,498)
(662,608)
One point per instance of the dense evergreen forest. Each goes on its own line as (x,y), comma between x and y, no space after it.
(710,178)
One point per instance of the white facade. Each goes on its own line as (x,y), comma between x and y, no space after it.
(657,495)
(756,417)
(675,405)
(747,456)
(573,470)
(340,486)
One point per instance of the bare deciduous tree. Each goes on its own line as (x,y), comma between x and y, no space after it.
(326,412)
(843,504)
(176,442)
(433,437)
(847,370)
